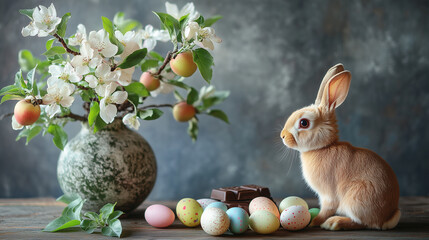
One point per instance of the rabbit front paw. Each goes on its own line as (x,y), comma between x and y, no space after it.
(317,221)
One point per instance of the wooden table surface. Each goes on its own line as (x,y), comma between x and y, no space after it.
(25,218)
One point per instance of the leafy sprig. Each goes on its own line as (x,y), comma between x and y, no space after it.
(107,220)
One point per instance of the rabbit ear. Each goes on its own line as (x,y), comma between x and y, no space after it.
(331,72)
(336,90)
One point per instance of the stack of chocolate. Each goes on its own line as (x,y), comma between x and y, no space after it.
(240,196)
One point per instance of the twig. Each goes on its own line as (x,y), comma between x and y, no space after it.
(156,106)
(61,40)
(5,115)
(166,61)
(74,116)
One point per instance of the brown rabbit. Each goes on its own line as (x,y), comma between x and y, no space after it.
(354,183)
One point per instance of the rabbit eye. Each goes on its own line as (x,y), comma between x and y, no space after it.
(304,123)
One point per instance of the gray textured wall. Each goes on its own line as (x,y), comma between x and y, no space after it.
(273,56)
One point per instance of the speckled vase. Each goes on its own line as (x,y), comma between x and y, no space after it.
(113,165)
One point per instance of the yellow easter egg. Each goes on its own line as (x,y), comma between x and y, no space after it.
(292,201)
(264,222)
(189,212)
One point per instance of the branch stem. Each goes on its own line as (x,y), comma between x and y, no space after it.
(74,116)
(156,106)
(61,40)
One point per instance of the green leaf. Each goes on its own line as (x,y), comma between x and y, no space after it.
(93,112)
(66,199)
(73,210)
(27,12)
(115,215)
(34,131)
(19,80)
(49,43)
(200,20)
(134,98)
(55,50)
(92,215)
(192,96)
(178,84)
(210,21)
(61,223)
(214,99)
(137,88)
(61,28)
(149,114)
(60,136)
(114,229)
(26,60)
(148,64)
(170,23)
(88,225)
(218,114)
(30,80)
(8,97)
(108,26)
(106,210)
(133,59)
(99,124)
(193,129)
(204,61)
(124,25)
(11,89)
(156,56)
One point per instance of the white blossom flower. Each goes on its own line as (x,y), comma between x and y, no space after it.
(189,8)
(66,73)
(108,109)
(88,58)
(15,124)
(126,75)
(103,76)
(30,30)
(45,21)
(203,37)
(131,121)
(151,35)
(131,42)
(58,95)
(79,36)
(100,42)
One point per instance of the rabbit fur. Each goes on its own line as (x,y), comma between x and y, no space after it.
(353,183)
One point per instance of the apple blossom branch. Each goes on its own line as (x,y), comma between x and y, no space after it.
(156,106)
(61,40)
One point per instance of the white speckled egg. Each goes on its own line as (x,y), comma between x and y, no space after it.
(204,202)
(214,221)
(264,222)
(239,220)
(189,212)
(263,203)
(292,201)
(295,218)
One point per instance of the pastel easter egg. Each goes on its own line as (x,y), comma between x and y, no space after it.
(263,203)
(214,221)
(263,222)
(159,216)
(295,218)
(189,212)
(204,202)
(292,201)
(239,220)
(313,212)
(219,205)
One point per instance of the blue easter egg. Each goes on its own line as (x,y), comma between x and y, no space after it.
(239,220)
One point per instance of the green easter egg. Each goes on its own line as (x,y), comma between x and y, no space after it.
(313,212)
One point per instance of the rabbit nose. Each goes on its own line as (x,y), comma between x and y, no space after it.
(283,133)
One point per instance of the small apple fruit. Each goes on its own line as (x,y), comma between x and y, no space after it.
(26,113)
(183,65)
(149,81)
(183,112)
